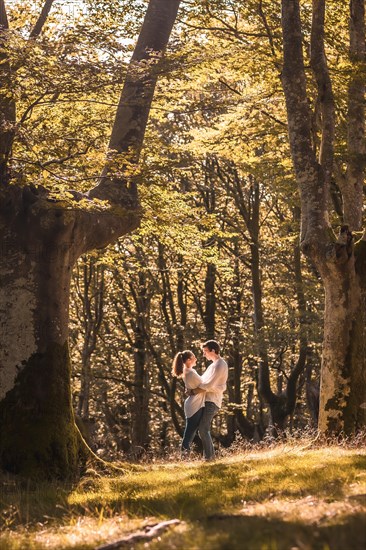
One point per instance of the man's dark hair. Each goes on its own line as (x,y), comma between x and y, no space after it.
(212,345)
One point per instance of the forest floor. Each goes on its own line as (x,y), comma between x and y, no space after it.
(287,497)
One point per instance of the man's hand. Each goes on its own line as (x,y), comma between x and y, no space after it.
(194,392)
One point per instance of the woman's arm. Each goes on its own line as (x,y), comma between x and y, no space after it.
(192,380)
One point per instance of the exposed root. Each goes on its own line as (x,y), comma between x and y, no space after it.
(91,460)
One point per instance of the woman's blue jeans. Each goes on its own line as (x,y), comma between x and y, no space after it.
(192,424)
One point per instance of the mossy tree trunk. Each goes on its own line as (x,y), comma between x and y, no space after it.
(340,263)
(343,377)
(41,240)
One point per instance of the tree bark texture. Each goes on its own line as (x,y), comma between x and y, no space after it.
(341,358)
(36,427)
(40,241)
(141,391)
(342,362)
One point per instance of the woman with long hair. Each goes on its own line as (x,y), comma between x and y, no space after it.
(182,367)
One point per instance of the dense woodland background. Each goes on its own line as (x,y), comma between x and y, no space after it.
(217,254)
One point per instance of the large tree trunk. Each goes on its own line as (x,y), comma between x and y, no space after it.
(40,243)
(36,422)
(340,397)
(342,391)
(41,240)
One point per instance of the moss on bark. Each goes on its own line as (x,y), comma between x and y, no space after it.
(38,437)
(352,406)
(356,413)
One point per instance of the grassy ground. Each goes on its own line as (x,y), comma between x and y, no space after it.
(289,497)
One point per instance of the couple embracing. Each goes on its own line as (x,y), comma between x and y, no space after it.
(205,394)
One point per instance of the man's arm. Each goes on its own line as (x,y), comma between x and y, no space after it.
(197,390)
(222,387)
(216,380)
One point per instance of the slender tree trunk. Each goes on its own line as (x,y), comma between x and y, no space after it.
(353,204)
(237,421)
(312,395)
(41,19)
(182,305)
(209,200)
(210,304)
(7,102)
(281,404)
(275,402)
(141,392)
(91,294)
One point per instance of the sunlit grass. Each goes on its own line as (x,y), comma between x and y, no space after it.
(81,533)
(255,495)
(193,490)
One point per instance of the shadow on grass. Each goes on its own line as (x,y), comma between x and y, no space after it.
(194,492)
(261,533)
(21,503)
(216,488)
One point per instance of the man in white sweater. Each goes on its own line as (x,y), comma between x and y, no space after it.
(214,383)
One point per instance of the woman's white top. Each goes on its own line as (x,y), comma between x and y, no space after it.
(193,403)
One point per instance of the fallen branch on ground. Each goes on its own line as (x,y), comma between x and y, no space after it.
(149,533)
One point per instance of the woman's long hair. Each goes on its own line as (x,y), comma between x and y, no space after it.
(178,362)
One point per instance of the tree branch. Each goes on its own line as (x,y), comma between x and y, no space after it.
(41,19)
(319,66)
(267,27)
(4,24)
(309,176)
(132,113)
(147,534)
